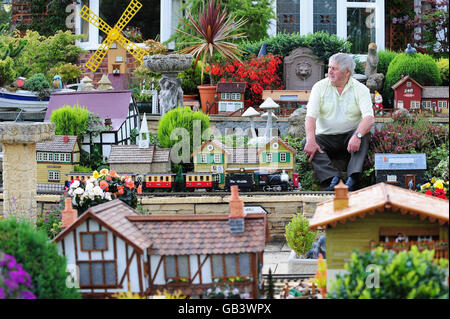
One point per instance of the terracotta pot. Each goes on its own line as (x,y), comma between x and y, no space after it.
(323,292)
(207,93)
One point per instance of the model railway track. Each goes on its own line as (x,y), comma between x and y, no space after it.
(214,193)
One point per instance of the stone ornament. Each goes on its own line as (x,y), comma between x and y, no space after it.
(302,69)
(297,123)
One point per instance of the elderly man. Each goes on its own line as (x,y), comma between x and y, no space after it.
(338,119)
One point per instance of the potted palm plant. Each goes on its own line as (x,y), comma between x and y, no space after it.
(211,33)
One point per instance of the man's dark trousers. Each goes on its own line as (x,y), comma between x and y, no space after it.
(335,146)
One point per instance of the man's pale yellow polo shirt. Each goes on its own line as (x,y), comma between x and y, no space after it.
(337,114)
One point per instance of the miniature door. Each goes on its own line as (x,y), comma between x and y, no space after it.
(410,181)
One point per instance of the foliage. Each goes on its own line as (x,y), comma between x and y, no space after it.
(299,236)
(321,43)
(39,84)
(412,134)
(441,154)
(103,187)
(50,220)
(443,66)
(133,34)
(270,289)
(211,32)
(384,59)
(14,281)
(70,120)
(437,188)
(420,67)
(226,292)
(13,49)
(180,117)
(191,78)
(177,294)
(68,72)
(80,168)
(320,278)
(38,256)
(127,295)
(7,73)
(407,274)
(155,47)
(260,73)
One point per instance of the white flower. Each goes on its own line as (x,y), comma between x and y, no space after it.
(78,191)
(92,180)
(235,291)
(108,196)
(89,186)
(75,184)
(98,191)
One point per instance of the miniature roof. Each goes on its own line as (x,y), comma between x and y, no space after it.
(144,125)
(379,197)
(121,154)
(250,112)
(403,79)
(269,104)
(113,216)
(107,104)
(231,87)
(435,92)
(279,140)
(57,144)
(201,234)
(400,161)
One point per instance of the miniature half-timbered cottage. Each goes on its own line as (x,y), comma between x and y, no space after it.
(230,96)
(411,95)
(213,156)
(55,158)
(403,170)
(382,214)
(116,108)
(113,245)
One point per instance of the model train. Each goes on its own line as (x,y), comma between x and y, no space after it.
(165,182)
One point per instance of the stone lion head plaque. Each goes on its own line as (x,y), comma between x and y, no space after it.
(302,69)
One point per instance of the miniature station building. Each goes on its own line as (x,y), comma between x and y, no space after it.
(410,95)
(55,158)
(230,96)
(403,170)
(213,156)
(377,215)
(116,108)
(113,245)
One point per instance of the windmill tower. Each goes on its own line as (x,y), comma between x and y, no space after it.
(144,136)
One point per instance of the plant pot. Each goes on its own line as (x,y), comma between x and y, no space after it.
(323,292)
(301,265)
(207,94)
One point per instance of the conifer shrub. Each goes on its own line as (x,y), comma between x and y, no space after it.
(7,73)
(70,120)
(384,59)
(38,83)
(299,236)
(383,274)
(443,70)
(39,258)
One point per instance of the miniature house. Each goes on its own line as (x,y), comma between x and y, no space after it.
(113,245)
(403,170)
(376,215)
(114,107)
(409,94)
(213,156)
(55,158)
(230,96)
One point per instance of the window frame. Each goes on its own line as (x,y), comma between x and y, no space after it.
(177,269)
(269,155)
(237,263)
(281,157)
(103,262)
(57,178)
(93,241)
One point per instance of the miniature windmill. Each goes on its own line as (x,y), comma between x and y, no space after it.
(113,34)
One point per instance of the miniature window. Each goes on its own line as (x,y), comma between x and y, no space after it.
(244,264)
(45,157)
(201,178)
(97,273)
(203,159)
(230,264)
(408,234)
(269,157)
(283,157)
(39,156)
(236,96)
(177,266)
(171,267)
(217,158)
(217,266)
(426,104)
(415,104)
(442,104)
(167,178)
(94,241)
(54,176)
(216,178)
(408,84)
(68,157)
(183,266)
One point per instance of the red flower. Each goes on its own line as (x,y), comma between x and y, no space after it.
(104,185)
(428,192)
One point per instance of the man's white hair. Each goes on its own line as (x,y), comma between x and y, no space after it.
(345,62)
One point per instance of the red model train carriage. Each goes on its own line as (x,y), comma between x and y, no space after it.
(206,181)
(159,182)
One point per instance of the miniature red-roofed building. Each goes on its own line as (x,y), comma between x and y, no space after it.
(375,216)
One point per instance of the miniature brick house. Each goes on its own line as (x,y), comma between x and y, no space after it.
(403,170)
(213,156)
(230,96)
(113,245)
(114,107)
(55,158)
(377,215)
(410,95)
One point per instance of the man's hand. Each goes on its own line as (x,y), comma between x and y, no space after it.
(310,149)
(353,144)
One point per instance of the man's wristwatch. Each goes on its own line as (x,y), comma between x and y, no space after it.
(359,135)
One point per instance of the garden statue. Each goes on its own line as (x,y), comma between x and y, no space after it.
(171,94)
(374,80)
(319,247)
(57,83)
(378,103)
(297,123)
(410,49)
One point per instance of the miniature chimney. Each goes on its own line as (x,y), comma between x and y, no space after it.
(108,121)
(340,196)
(236,218)
(68,215)
(66,139)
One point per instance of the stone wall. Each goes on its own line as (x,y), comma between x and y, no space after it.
(279,208)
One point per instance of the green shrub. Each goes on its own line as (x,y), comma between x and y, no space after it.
(7,73)
(68,72)
(39,258)
(192,78)
(384,59)
(80,168)
(38,83)
(420,67)
(70,120)
(299,236)
(50,220)
(408,274)
(443,70)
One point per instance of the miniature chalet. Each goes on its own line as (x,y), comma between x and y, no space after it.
(377,216)
(116,108)
(213,156)
(55,158)
(230,96)
(409,94)
(113,245)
